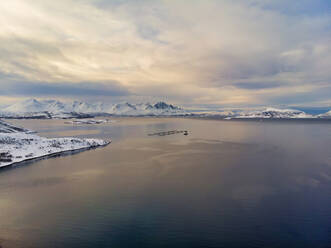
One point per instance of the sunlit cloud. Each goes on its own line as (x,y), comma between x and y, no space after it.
(224,52)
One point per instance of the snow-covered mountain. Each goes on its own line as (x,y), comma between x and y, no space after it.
(325,115)
(275,113)
(30,105)
(160,108)
(45,109)
(53,108)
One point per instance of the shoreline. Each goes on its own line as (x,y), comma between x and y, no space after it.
(55,154)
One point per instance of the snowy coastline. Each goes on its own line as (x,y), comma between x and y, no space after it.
(89,121)
(19,145)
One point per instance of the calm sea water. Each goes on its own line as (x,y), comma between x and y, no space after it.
(226,184)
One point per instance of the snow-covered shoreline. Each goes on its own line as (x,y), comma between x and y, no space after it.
(89,121)
(18,146)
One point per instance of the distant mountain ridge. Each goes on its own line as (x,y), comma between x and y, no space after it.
(275,113)
(56,108)
(325,115)
(38,109)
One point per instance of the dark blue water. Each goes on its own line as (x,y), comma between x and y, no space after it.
(226,184)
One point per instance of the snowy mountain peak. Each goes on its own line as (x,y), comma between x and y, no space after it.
(163,105)
(30,105)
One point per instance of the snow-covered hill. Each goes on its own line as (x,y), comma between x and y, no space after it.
(325,115)
(53,108)
(274,113)
(18,144)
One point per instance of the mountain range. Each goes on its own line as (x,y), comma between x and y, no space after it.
(275,113)
(33,108)
(55,108)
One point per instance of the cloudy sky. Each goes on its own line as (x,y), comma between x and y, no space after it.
(217,52)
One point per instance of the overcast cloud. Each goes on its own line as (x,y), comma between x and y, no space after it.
(226,52)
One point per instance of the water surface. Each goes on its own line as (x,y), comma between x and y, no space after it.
(226,184)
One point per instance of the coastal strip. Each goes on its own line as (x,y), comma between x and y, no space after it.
(19,145)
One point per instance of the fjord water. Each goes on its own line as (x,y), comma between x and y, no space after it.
(226,184)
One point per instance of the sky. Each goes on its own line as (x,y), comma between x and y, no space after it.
(227,53)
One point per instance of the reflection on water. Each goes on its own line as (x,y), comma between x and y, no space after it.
(226,184)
